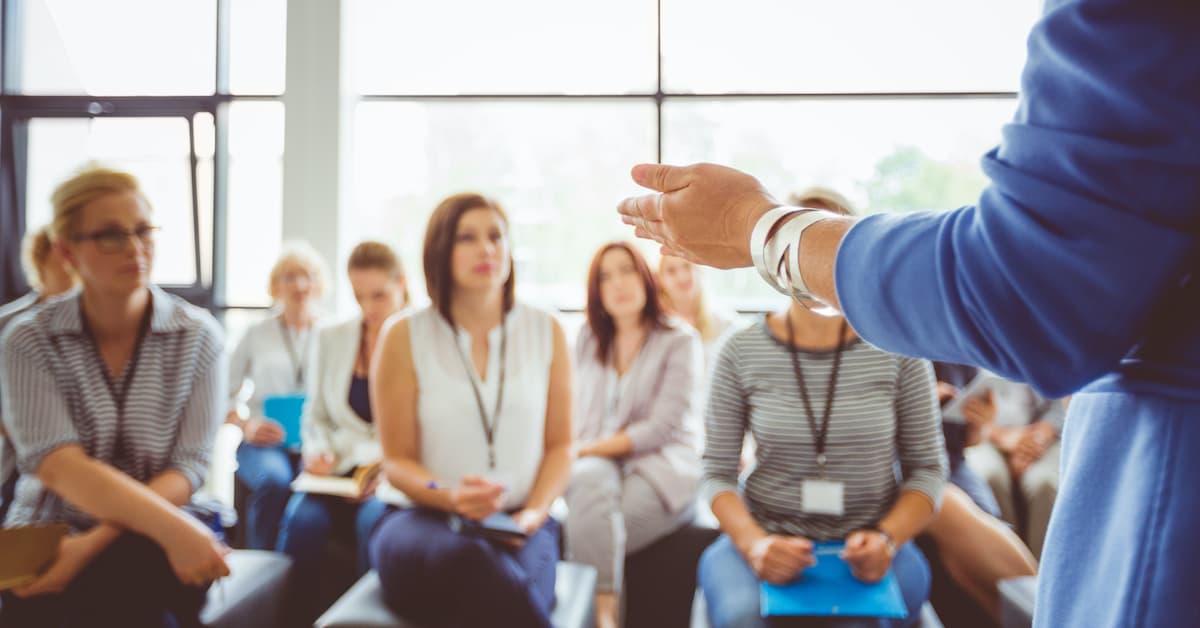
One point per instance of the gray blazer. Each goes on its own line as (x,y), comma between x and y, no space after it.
(659,411)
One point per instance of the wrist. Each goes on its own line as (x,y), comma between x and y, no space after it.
(746,540)
(888,537)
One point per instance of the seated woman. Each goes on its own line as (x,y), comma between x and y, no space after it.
(636,385)
(825,409)
(48,275)
(272,357)
(1016,451)
(339,430)
(472,398)
(112,398)
(683,296)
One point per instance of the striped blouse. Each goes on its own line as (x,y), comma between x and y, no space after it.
(884,423)
(56,394)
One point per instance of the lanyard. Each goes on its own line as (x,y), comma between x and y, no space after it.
(489,428)
(297,361)
(119,395)
(819,435)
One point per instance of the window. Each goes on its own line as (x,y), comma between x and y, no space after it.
(545,105)
(155,150)
(183,95)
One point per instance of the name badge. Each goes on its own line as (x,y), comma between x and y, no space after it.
(822,497)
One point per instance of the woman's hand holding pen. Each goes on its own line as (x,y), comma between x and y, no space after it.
(476,498)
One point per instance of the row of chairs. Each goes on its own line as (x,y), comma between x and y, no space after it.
(660,589)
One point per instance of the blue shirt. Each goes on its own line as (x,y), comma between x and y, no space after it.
(1076,262)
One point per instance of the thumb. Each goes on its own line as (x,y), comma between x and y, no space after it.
(660,177)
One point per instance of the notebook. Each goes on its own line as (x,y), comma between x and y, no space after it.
(829,589)
(983,382)
(28,551)
(286,409)
(498,527)
(338,486)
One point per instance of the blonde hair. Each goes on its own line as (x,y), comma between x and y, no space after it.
(35,250)
(302,254)
(372,255)
(91,182)
(823,198)
(704,320)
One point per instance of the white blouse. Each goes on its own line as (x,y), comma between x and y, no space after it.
(453,441)
(275,363)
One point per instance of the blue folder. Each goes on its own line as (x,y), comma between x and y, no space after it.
(286,409)
(829,589)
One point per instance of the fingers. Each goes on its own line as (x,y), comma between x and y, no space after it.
(661,177)
(645,210)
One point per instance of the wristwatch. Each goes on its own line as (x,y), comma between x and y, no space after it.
(891,542)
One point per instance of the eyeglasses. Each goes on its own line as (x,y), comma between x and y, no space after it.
(114,240)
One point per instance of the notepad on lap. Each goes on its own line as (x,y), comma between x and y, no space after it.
(286,410)
(829,589)
(338,486)
(28,551)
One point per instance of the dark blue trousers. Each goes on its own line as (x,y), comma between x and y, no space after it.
(435,576)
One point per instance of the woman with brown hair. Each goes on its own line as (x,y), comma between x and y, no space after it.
(637,378)
(339,435)
(472,397)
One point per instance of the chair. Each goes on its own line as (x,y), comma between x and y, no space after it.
(253,594)
(362,606)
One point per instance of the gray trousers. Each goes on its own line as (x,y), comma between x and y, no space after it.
(611,515)
(1037,487)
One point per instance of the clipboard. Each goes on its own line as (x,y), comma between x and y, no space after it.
(28,551)
(287,410)
(829,589)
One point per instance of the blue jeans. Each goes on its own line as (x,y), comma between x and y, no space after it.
(309,522)
(268,473)
(435,576)
(731,591)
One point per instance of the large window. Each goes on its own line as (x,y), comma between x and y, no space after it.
(189,104)
(545,104)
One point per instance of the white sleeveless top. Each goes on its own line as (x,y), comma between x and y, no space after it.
(453,442)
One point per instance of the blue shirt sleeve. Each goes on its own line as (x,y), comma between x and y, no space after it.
(1090,217)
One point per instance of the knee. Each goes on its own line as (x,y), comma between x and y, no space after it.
(306,513)
(593,480)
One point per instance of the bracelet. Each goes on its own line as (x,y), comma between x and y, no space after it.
(758,245)
(777,256)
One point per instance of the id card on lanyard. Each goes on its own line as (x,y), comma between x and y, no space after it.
(820,495)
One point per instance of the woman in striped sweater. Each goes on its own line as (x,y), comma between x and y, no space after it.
(832,417)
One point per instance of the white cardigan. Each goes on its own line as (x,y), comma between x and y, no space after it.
(329,424)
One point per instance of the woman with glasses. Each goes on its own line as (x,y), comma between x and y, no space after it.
(273,357)
(112,397)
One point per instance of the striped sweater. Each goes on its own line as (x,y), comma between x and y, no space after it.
(884,431)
